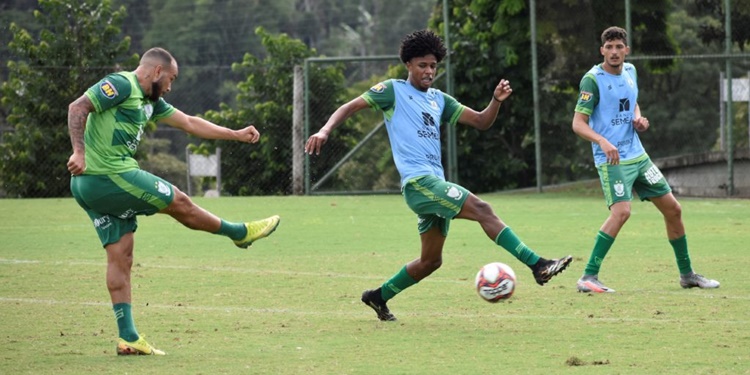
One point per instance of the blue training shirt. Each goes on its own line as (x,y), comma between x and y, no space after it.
(609,100)
(412,119)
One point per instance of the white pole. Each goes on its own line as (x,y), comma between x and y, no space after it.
(298,154)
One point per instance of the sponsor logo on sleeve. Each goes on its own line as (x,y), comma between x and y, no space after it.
(585,96)
(108,89)
(380,87)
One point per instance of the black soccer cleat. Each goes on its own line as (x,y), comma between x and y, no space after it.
(373,299)
(545,269)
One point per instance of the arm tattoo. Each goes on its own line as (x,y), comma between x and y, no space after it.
(77,114)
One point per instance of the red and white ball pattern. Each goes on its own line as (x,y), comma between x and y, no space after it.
(495,282)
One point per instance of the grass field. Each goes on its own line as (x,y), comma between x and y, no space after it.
(290,305)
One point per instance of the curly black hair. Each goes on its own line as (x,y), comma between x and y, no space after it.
(421,43)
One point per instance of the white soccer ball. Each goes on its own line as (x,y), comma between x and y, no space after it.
(495,282)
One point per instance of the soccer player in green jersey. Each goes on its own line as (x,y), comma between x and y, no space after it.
(413,113)
(105,125)
(607,114)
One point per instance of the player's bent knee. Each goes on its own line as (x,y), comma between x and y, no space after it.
(181,203)
(433,264)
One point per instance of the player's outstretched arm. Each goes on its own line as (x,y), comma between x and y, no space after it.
(208,130)
(317,140)
(483,120)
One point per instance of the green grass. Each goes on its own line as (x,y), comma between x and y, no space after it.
(290,305)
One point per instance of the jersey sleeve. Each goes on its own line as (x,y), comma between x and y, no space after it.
(109,92)
(588,96)
(452,110)
(381,96)
(162,109)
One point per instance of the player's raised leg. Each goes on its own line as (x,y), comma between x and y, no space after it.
(184,210)
(543,269)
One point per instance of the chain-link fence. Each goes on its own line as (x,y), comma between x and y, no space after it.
(357,158)
(683,95)
(680,94)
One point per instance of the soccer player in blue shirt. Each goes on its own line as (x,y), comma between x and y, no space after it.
(607,114)
(413,112)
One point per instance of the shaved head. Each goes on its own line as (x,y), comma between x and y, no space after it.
(157,56)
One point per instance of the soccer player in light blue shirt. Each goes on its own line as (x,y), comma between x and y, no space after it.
(413,112)
(607,114)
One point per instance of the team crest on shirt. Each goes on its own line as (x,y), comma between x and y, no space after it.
(148,109)
(380,87)
(108,89)
(433,104)
(585,96)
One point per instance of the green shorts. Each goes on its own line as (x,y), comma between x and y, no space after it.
(113,201)
(619,181)
(435,201)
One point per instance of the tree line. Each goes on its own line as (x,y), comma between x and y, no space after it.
(56,49)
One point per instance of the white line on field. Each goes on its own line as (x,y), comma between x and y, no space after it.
(433,279)
(481,315)
(224,269)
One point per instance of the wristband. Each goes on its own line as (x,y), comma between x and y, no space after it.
(495,99)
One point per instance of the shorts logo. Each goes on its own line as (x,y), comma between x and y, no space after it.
(653,175)
(108,90)
(619,188)
(162,188)
(585,96)
(127,214)
(102,222)
(380,87)
(454,193)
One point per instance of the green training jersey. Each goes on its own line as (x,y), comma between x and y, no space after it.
(114,129)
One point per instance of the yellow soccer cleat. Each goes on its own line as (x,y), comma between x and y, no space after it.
(257,230)
(138,347)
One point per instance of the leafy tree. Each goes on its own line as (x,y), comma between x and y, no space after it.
(490,41)
(79,42)
(265,100)
(712,28)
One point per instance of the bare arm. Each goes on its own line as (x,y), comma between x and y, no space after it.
(484,120)
(640,123)
(78,112)
(582,128)
(208,130)
(317,140)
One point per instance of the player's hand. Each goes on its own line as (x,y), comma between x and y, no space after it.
(613,156)
(248,134)
(76,164)
(315,142)
(640,124)
(502,90)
